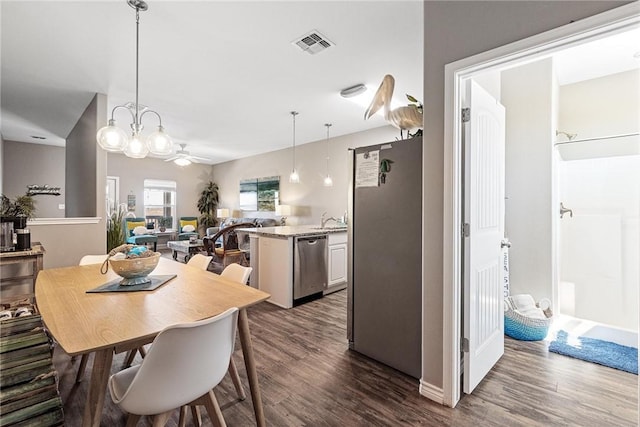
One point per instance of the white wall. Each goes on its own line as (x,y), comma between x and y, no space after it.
(190,180)
(527,95)
(309,198)
(605,106)
(452,31)
(600,245)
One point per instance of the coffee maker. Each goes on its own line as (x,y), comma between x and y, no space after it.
(23,235)
(6,234)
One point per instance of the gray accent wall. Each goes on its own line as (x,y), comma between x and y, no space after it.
(454,30)
(67,240)
(80,170)
(39,164)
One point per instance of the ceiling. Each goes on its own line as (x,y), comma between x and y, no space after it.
(224,76)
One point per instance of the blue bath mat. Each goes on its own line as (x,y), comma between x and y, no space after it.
(597,351)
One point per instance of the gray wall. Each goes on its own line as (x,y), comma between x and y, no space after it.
(453,31)
(39,164)
(190,180)
(66,241)
(310,198)
(80,170)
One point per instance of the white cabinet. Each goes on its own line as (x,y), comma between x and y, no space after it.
(275,269)
(337,262)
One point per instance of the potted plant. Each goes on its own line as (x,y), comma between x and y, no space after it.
(208,204)
(164,222)
(115,228)
(21,208)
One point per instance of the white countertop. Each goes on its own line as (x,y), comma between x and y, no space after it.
(292,231)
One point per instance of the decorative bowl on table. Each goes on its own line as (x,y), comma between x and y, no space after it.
(134,271)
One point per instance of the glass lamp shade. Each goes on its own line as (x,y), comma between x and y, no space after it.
(222,213)
(136,148)
(294,178)
(182,161)
(328,182)
(112,138)
(160,143)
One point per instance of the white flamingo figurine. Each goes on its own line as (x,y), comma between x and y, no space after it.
(404,118)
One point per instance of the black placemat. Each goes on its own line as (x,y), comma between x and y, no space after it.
(114,285)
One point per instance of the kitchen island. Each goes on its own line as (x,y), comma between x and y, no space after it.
(289,261)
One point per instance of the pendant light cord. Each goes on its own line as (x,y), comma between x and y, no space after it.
(328,125)
(294,114)
(137,49)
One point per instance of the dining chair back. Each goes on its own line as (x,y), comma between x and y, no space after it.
(87,260)
(184,364)
(92,259)
(200,261)
(237,273)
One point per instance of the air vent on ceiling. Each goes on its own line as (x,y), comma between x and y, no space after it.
(313,42)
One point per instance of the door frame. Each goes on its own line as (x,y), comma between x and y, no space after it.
(514,54)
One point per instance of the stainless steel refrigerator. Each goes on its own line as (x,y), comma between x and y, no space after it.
(385,254)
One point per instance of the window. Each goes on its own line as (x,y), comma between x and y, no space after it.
(160,202)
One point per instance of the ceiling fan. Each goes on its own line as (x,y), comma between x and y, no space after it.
(183,158)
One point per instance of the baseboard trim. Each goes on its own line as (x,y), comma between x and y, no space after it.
(432,392)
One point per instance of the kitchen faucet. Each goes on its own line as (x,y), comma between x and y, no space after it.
(323,220)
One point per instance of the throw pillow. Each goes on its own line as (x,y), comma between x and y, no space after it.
(188,228)
(184,223)
(139,230)
(133,224)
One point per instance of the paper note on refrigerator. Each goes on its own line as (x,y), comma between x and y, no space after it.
(367,165)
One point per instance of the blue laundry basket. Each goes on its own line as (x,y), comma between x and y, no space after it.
(521,327)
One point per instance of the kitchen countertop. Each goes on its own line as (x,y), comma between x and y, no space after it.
(286,231)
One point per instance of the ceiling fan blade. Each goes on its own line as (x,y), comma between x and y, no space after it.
(204,159)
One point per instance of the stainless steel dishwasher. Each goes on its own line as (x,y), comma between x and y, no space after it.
(309,265)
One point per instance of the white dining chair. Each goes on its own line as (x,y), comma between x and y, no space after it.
(182,367)
(92,259)
(237,273)
(240,274)
(200,261)
(87,260)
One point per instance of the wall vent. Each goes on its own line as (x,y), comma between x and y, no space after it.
(313,42)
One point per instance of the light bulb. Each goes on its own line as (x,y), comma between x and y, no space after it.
(294,178)
(182,161)
(136,147)
(160,143)
(112,138)
(328,182)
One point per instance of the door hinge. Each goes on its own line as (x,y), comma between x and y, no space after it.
(465,345)
(466,115)
(466,229)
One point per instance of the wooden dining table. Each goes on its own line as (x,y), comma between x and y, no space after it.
(113,322)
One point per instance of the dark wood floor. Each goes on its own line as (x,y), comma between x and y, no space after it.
(308,377)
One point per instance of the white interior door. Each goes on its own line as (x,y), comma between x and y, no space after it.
(484,138)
